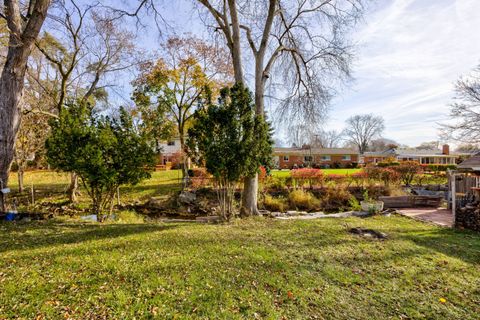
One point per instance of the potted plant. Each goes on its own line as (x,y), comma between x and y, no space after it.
(371,205)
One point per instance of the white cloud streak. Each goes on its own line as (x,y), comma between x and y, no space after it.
(410,54)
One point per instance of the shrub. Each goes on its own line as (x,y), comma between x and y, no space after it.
(129,217)
(105,153)
(200,178)
(275,204)
(262,173)
(354,204)
(389,176)
(337,178)
(358,178)
(275,183)
(335,198)
(407,171)
(231,141)
(385,175)
(308,176)
(336,165)
(303,200)
(438,167)
(389,162)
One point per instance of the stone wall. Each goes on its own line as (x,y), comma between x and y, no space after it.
(468,217)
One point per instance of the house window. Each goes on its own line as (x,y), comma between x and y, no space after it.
(286,158)
(325,158)
(308,158)
(346,157)
(170,143)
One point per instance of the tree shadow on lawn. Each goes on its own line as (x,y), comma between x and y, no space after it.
(463,245)
(38,235)
(58,192)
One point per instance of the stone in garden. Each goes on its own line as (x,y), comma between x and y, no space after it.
(187,197)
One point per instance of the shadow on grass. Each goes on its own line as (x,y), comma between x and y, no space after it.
(38,235)
(48,192)
(463,245)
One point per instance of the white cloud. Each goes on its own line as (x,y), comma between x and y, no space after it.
(411,52)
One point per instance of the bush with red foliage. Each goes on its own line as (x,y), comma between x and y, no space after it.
(308,176)
(358,178)
(200,178)
(262,174)
(337,178)
(386,175)
(407,171)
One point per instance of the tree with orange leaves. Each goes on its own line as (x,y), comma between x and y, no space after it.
(188,73)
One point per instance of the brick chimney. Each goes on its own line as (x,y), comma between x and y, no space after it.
(446,149)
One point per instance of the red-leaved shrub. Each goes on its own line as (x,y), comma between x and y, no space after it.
(200,178)
(308,176)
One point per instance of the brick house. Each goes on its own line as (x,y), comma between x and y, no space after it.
(288,158)
(443,156)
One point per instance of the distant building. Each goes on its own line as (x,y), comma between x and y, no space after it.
(170,154)
(288,158)
(443,156)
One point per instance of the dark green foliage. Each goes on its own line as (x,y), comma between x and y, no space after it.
(104,152)
(229,139)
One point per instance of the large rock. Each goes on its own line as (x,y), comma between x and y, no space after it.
(187,197)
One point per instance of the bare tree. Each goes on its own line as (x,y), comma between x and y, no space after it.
(87,48)
(327,139)
(361,129)
(430,145)
(300,42)
(24,24)
(300,135)
(382,144)
(465,111)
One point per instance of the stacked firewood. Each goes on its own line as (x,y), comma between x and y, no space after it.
(468,217)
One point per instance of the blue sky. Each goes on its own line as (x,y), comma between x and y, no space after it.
(409,54)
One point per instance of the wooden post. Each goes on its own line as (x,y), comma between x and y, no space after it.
(33,195)
(4,207)
(454,196)
(118,196)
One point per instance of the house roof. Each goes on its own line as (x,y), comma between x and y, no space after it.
(472,163)
(410,153)
(308,151)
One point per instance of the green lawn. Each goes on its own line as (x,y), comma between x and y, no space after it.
(286,173)
(264,269)
(52,186)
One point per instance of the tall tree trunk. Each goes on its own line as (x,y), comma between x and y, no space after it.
(73,188)
(11,88)
(236,49)
(22,36)
(20,178)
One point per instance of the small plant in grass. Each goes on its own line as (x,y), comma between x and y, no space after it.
(303,200)
(105,153)
(354,204)
(370,205)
